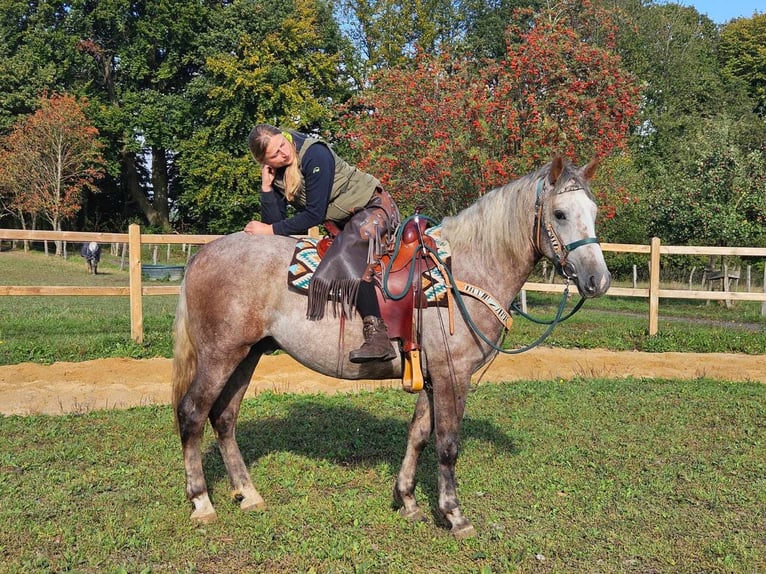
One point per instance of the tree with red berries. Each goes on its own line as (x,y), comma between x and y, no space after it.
(448,128)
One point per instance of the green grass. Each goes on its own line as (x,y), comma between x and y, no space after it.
(622,324)
(50,328)
(577,476)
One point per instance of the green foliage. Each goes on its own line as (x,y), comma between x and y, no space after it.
(743,55)
(714,199)
(621,191)
(698,147)
(486,25)
(278,66)
(224,197)
(35,56)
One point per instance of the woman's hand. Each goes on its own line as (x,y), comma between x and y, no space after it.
(258,228)
(267,178)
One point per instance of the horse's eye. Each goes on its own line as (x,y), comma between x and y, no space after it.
(560,215)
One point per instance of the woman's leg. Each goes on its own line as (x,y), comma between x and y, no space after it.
(377,346)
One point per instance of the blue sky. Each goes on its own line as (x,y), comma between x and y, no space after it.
(721,11)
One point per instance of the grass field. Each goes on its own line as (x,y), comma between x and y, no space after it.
(576,476)
(585,476)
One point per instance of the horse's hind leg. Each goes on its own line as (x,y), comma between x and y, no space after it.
(191,423)
(192,413)
(223,418)
(419,432)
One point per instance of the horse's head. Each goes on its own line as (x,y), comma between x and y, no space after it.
(565,231)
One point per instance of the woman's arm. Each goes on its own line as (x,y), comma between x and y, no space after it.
(318,168)
(273,207)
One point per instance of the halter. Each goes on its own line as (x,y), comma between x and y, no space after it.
(560,252)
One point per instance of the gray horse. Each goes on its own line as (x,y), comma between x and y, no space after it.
(235,306)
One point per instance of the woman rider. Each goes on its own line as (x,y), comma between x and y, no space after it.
(305,172)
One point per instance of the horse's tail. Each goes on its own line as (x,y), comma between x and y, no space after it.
(184,353)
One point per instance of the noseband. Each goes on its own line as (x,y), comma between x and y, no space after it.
(560,252)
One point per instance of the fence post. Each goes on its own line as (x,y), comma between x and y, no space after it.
(654,286)
(763,303)
(134,269)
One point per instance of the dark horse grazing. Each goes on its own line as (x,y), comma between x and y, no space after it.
(235,305)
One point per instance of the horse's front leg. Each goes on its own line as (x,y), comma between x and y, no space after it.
(449,406)
(420,431)
(223,418)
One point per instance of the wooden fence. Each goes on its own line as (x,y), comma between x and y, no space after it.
(136,290)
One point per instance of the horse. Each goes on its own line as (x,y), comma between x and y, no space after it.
(235,306)
(92,254)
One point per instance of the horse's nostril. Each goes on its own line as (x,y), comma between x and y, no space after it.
(597,284)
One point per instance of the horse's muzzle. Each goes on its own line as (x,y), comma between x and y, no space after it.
(594,284)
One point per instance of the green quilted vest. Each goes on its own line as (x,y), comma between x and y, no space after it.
(351,188)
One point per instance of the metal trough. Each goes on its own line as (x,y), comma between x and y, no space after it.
(162,272)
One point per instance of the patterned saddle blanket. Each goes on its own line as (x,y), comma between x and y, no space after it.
(306,259)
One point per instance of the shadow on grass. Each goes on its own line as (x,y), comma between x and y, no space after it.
(346,436)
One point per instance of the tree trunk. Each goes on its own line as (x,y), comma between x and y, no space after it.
(156,211)
(160,185)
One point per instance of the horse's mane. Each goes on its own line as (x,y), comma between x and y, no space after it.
(498,225)
(499,222)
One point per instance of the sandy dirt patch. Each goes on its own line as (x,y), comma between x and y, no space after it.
(30,388)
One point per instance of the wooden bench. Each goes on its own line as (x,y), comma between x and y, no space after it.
(725,279)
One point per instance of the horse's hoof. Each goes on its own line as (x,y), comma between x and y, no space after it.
(415,515)
(249,499)
(204,511)
(463,532)
(204,516)
(252,505)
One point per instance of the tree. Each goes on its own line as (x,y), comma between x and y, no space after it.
(743,55)
(50,158)
(275,63)
(385,33)
(142,57)
(389,33)
(690,107)
(717,198)
(35,55)
(451,128)
(486,23)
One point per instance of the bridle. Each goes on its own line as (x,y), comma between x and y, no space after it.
(560,252)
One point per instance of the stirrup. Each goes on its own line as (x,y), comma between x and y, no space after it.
(412,379)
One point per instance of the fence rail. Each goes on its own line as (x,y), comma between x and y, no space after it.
(136,290)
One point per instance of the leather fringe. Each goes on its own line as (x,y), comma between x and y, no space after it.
(340,292)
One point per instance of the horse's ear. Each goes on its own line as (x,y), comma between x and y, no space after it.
(557,166)
(590,170)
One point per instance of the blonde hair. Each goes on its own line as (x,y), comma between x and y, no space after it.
(258,141)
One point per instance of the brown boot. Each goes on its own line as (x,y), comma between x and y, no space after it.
(376,346)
